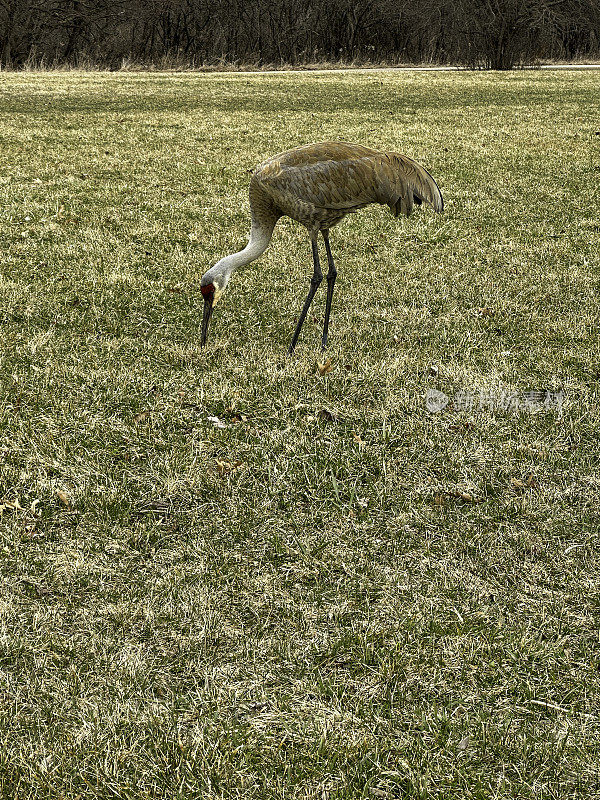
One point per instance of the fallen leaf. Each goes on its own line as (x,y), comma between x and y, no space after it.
(225,467)
(326,415)
(460,426)
(30,531)
(464,743)
(63,499)
(142,416)
(8,505)
(325,367)
(360,442)
(218,423)
(468,498)
(519,486)
(158,504)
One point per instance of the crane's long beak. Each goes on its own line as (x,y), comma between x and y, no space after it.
(208,307)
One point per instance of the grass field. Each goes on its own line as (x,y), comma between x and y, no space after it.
(334,593)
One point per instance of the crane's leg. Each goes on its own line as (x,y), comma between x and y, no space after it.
(314,285)
(331,276)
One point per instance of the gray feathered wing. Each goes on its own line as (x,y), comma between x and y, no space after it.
(409,183)
(345,178)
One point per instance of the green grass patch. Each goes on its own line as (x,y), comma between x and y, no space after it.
(338,594)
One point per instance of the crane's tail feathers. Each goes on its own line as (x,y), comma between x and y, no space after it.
(415,185)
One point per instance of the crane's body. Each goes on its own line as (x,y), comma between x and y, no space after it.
(318,185)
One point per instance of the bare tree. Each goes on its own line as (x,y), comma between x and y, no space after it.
(490,33)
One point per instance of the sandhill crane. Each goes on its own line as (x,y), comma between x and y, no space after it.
(317,185)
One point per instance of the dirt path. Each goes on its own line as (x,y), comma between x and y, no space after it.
(408,69)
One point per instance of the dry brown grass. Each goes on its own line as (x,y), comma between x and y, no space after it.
(376,602)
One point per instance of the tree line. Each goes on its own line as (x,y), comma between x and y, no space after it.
(496,34)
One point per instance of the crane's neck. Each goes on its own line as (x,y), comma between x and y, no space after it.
(260,236)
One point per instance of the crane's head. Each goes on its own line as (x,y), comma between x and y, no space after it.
(212,290)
